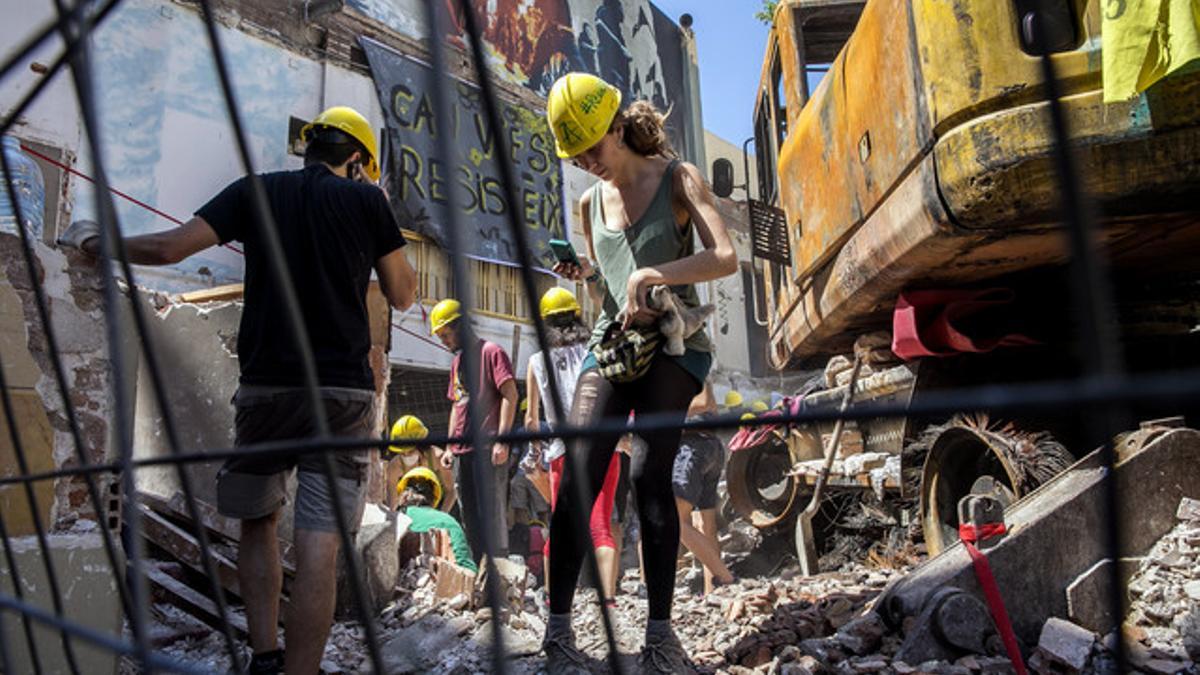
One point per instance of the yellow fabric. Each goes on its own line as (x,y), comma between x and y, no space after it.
(1144,41)
(350,121)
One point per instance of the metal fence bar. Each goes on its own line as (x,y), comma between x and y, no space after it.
(43,82)
(14,437)
(281,277)
(106,212)
(491,108)
(469,365)
(60,379)
(1094,303)
(1056,398)
(1103,383)
(19,594)
(91,636)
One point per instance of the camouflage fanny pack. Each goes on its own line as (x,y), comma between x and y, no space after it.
(626,355)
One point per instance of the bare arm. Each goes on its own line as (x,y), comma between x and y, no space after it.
(167,247)
(508,405)
(585,269)
(397,279)
(508,409)
(533,398)
(718,259)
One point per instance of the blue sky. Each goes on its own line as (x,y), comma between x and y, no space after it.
(731,43)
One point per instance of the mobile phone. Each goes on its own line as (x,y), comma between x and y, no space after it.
(563,251)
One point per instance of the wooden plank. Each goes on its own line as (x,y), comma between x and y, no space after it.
(214,294)
(184,548)
(220,528)
(170,590)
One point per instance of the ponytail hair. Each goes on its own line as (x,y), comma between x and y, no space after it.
(643,128)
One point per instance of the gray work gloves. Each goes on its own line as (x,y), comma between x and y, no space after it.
(78,233)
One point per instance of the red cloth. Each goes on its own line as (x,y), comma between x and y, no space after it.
(749,437)
(969,534)
(495,369)
(937,322)
(601,518)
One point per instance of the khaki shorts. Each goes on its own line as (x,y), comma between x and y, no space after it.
(255,487)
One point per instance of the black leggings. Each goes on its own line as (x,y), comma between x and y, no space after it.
(663,392)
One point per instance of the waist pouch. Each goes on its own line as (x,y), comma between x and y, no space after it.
(626,355)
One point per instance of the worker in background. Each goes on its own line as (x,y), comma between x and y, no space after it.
(567,336)
(404,456)
(419,496)
(640,222)
(525,501)
(479,477)
(697,471)
(334,226)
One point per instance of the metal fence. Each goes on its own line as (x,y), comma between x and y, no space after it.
(1102,393)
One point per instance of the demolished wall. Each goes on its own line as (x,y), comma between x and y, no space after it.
(74,302)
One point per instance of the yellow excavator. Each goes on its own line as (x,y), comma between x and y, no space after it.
(904,155)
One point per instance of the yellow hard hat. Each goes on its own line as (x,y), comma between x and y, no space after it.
(760,406)
(733,399)
(558,300)
(747,416)
(422,473)
(350,121)
(407,428)
(444,313)
(524,404)
(580,108)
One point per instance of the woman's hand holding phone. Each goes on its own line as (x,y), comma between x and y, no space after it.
(574,272)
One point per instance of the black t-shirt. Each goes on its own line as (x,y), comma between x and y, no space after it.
(332,230)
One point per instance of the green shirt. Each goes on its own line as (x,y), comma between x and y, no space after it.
(653,240)
(425,519)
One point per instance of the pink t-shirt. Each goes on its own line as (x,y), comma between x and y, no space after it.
(495,369)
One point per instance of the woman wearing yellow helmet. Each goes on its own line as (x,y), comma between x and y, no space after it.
(639,220)
(405,456)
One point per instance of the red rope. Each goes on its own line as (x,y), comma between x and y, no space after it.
(420,337)
(970,534)
(122,195)
(173,219)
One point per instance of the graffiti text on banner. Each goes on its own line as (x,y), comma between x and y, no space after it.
(417,178)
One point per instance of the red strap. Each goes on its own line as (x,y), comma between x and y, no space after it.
(969,535)
(122,195)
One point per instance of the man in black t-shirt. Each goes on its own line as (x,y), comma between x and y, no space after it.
(334,227)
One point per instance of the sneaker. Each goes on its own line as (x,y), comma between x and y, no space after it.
(664,655)
(266,663)
(563,657)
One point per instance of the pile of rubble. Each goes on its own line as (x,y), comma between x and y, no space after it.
(1163,624)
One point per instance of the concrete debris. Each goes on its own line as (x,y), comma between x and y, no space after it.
(1063,647)
(1163,622)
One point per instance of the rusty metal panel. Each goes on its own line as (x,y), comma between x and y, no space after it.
(997,172)
(971,55)
(864,128)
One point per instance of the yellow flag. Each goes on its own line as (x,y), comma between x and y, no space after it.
(1144,41)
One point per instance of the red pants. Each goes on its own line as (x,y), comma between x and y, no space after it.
(601,520)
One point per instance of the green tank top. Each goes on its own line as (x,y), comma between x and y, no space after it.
(653,240)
